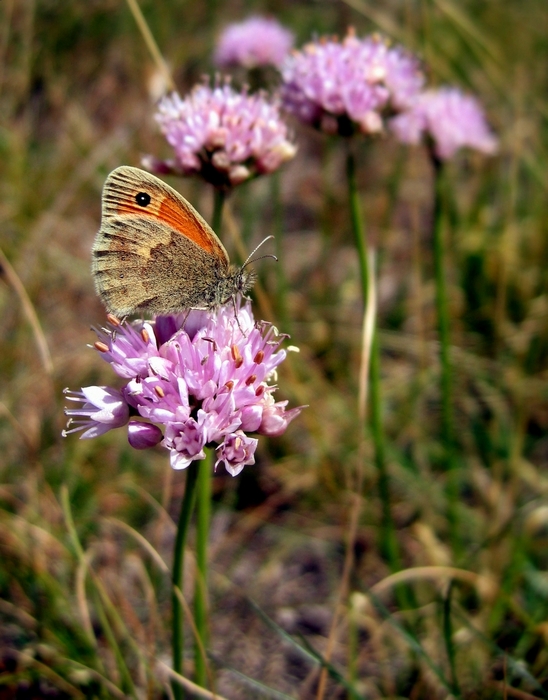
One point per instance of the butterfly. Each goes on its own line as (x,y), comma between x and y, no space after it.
(155,253)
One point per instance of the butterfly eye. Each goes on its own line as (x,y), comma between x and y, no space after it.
(142,199)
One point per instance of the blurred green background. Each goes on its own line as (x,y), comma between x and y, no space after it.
(465,617)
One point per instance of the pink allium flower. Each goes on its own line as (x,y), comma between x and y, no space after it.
(451,119)
(223,136)
(350,85)
(206,382)
(257,41)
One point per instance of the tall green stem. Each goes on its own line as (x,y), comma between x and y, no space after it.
(198,480)
(203,517)
(177,575)
(219,197)
(388,542)
(278,237)
(442,308)
(358,227)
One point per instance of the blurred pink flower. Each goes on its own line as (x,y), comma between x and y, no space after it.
(221,135)
(257,41)
(451,119)
(350,85)
(204,383)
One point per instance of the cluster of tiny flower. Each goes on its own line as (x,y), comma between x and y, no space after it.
(339,87)
(203,377)
(221,135)
(255,42)
(364,85)
(348,86)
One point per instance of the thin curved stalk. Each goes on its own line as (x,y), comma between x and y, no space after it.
(387,538)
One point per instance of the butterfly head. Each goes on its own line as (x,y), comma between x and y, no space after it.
(239,280)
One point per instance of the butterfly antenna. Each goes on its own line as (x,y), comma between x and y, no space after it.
(249,260)
(262,257)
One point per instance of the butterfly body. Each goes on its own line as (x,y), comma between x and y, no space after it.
(154,253)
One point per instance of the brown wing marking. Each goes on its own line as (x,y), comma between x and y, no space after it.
(166,205)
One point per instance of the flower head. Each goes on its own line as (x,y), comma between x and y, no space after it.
(190,382)
(451,119)
(350,85)
(257,41)
(221,135)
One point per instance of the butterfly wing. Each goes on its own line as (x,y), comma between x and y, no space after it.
(153,252)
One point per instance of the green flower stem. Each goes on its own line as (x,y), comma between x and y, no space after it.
(177,577)
(203,517)
(281,296)
(248,203)
(219,197)
(357,224)
(388,542)
(442,308)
